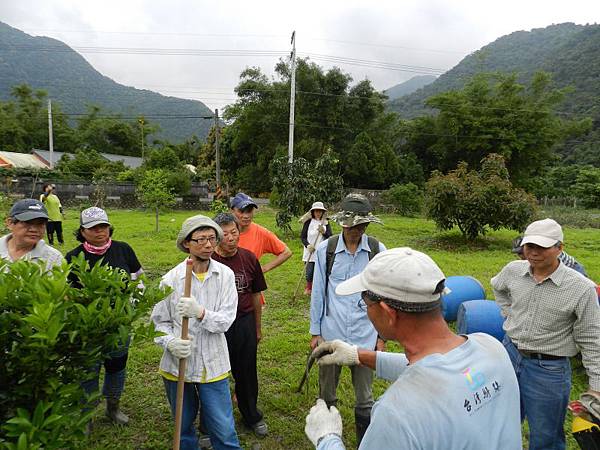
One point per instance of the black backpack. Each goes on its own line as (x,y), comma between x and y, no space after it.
(330,259)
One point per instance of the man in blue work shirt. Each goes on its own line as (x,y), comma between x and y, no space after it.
(448,391)
(332,317)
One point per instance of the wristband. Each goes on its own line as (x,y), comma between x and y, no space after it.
(326,436)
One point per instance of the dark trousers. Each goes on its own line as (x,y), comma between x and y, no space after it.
(310,271)
(242,345)
(52,227)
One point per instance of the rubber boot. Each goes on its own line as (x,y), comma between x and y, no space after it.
(362,423)
(114,413)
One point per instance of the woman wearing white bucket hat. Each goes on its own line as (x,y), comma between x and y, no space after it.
(314,231)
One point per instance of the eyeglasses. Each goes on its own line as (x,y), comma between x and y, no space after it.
(203,240)
(365,295)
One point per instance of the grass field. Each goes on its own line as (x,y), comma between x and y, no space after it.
(283,351)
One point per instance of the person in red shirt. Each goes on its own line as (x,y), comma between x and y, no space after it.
(256,238)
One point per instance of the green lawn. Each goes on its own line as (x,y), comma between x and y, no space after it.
(283,350)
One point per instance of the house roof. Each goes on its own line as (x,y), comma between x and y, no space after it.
(132,162)
(20,160)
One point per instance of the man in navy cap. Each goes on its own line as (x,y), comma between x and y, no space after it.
(255,238)
(27,224)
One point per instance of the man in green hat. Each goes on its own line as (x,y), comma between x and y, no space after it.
(338,258)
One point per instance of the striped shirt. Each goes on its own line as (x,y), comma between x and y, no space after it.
(558,316)
(217,293)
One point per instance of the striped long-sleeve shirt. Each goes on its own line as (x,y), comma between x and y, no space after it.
(557,316)
(217,293)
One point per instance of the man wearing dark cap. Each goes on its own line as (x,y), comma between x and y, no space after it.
(331,317)
(551,314)
(211,308)
(256,238)
(447,391)
(27,224)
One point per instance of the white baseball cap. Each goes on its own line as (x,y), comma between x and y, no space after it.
(544,233)
(401,274)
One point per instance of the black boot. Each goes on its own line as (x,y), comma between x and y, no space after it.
(114,413)
(362,423)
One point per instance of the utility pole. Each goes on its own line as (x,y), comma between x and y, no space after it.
(50,136)
(217,157)
(292,99)
(141,122)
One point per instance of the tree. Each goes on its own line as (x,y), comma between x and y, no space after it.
(301,183)
(474,201)
(89,164)
(330,115)
(493,114)
(154,192)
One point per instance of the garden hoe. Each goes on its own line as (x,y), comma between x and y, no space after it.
(187,290)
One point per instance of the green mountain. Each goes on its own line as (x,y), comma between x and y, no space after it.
(49,64)
(409,86)
(569,52)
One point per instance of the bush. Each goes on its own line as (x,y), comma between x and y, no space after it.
(405,199)
(587,187)
(474,201)
(50,333)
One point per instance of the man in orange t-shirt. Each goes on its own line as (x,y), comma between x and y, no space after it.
(256,238)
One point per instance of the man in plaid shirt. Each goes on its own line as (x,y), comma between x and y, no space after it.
(551,314)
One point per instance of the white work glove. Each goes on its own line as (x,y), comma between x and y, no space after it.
(310,248)
(321,229)
(322,421)
(189,307)
(336,352)
(180,348)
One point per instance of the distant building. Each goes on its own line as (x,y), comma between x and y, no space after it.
(14,160)
(133,162)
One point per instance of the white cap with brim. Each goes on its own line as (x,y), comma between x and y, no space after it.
(545,233)
(93,216)
(401,274)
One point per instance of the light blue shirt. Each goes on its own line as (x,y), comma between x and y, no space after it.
(465,399)
(343,319)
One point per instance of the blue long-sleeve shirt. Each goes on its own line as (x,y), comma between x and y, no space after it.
(344,320)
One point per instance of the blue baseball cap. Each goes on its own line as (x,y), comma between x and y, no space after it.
(241,201)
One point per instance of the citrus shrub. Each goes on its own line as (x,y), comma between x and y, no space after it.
(477,200)
(50,333)
(405,199)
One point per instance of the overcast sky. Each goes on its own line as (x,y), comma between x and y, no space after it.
(428,36)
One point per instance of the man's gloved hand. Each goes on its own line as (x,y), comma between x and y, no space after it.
(189,307)
(336,352)
(322,421)
(310,248)
(180,348)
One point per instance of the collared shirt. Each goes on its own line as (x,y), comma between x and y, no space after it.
(41,252)
(345,319)
(557,316)
(467,398)
(218,295)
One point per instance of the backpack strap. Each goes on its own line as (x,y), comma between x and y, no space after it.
(332,243)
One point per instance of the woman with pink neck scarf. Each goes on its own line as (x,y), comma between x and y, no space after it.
(94,233)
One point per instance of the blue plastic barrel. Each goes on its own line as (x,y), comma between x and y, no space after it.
(480,316)
(463,288)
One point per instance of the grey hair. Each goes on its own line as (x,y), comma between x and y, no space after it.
(226,218)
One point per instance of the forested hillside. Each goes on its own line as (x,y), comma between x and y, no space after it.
(409,86)
(569,52)
(49,64)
